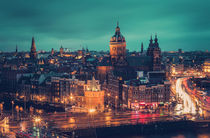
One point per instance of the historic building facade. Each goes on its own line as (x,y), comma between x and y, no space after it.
(94,96)
(136,94)
(124,66)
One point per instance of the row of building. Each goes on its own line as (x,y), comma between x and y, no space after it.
(88,79)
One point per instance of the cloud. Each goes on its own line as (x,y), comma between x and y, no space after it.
(179,24)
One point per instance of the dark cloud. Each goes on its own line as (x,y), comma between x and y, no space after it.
(179,24)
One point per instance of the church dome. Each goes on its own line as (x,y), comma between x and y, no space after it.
(117,37)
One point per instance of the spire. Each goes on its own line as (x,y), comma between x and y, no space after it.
(142,48)
(117,31)
(151,39)
(156,38)
(33,46)
(16,50)
(33,53)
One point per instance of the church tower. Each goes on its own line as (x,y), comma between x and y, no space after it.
(33,53)
(142,48)
(156,55)
(150,48)
(117,45)
(155,52)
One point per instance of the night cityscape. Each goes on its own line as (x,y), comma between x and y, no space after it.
(104,69)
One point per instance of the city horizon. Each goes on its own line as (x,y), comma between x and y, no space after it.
(67,49)
(104,69)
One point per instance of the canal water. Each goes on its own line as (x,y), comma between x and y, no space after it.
(171,135)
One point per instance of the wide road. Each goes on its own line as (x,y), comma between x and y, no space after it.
(71,121)
(188,106)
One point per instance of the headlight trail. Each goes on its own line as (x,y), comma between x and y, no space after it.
(188,103)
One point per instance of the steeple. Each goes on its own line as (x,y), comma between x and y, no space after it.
(16,50)
(142,48)
(117,30)
(151,41)
(33,53)
(156,44)
(150,48)
(33,46)
(156,38)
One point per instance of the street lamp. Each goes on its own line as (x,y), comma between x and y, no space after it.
(13,109)
(116,98)
(108,99)
(92,110)
(71,99)
(17,109)
(37,120)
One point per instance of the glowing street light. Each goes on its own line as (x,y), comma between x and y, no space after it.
(17,109)
(92,110)
(13,109)
(37,120)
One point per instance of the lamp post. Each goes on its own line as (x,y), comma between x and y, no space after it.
(12,109)
(17,109)
(116,98)
(21,111)
(108,99)
(71,99)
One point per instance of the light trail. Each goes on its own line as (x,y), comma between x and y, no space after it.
(189,106)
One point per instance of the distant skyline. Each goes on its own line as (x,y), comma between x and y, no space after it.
(77,23)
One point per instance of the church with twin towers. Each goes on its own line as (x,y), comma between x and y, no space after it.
(123,63)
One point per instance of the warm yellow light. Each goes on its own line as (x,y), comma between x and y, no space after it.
(37,119)
(92,110)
